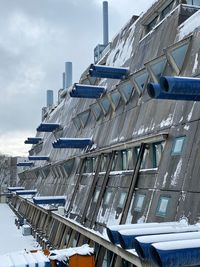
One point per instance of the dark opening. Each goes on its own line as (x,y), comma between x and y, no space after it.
(155,256)
(139,249)
(150,90)
(164,83)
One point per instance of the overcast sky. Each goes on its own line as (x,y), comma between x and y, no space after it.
(36,38)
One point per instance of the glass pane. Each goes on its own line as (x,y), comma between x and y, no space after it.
(139,202)
(77,122)
(178,145)
(124,159)
(152,24)
(122,199)
(96,196)
(167,10)
(179,54)
(189,2)
(96,110)
(158,68)
(126,90)
(162,206)
(115,97)
(196,2)
(84,117)
(106,104)
(107,198)
(104,163)
(141,80)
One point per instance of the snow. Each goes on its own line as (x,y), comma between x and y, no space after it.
(168,237)
(189,25)
(13,240)
(186,127)
(64,254)
(176,174)
(167,122)
(196,62)
(175,245)
(191,112)
(160,229)
(165,179)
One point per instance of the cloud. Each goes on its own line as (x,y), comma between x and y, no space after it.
(36,38)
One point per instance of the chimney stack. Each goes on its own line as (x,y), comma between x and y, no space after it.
(68,74)
(49,98)
(105,23)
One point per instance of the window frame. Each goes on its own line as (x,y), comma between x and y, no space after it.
(100,102)
(113,103)
(83,119)
(77,122)
(168,52)
(138,87)
(92,107)
(122,90)
(153,62)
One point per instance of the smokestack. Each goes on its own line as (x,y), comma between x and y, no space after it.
(63,81)
(49,98)
(68,74)
(105,23)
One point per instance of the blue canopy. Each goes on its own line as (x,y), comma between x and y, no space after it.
(87,91)
(26,192)
(15,188)
(176,253)
(38,158)
(101,71)
(47,127)
(33,140)
(49,200)
(72,143)
(25,164)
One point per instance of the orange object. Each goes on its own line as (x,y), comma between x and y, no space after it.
(46,252)
(81,261)
(53,263)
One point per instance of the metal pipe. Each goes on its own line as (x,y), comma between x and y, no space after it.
(63,87)
(105,23)
(49,98)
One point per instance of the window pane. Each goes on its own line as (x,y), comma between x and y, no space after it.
(167,10)
(107,198)
(105,104)
(158,68)
(196,2)
(139,200)
(178,145)
(122,199)
(179,55)
(162,206)
(124,160)
(125,89)
(96,110)
(141,80)
(96,195)
(152,24)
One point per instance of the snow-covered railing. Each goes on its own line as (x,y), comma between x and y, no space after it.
(32,140)
(87,91)
(49,200)
(101,71)
(47,127)
(72,143)
(175,88)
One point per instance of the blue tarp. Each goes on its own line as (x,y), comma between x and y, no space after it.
(25,164)
(47,127)
(50,200)
(101,71)
(87,91)
(72,143)
(38,158)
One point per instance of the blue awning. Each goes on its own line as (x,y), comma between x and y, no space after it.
(176,253)
(26,192)
(25,164)
(175,88)
(47,127)
(72,143)
(38,158)
(33,140)
(101,71)
(15,188)
(87,91)
(49,200)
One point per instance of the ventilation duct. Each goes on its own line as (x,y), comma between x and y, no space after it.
(50,200)
(87,91)
(25,164)
(72,143)
(48,127)
(101,71)
(26,192)
(38,158)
